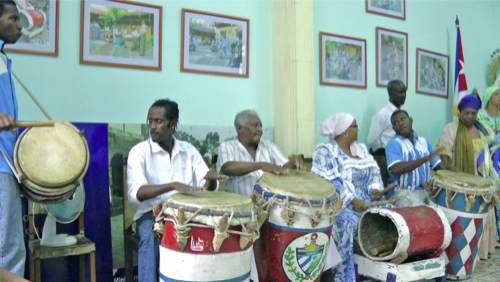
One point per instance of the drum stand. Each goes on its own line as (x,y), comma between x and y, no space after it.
(391,272)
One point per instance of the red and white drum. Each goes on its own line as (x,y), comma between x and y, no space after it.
(295,240)
(385,233)
(206,236)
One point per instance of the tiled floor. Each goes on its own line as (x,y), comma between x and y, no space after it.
(487,270)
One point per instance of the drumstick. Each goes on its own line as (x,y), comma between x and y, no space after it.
(390,201)
(386,246)
(32,97)
(385,253)
(392,185)
(34,123)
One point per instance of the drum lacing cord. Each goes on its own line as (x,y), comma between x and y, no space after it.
(186,226)
(18,176)
(285,205)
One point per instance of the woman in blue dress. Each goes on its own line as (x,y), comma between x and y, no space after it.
(355,175)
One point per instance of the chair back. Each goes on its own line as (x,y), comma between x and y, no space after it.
(129,209)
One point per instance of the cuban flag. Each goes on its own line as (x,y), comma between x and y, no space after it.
(460,82)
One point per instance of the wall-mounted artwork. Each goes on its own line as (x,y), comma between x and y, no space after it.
(392,56)
(389,8)
(39,20)
(342,60)
(120,34)
(214,44)
(432,73)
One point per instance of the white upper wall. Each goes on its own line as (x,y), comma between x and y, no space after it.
(430,25)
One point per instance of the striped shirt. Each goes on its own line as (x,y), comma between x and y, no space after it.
(233,151)
(400,149)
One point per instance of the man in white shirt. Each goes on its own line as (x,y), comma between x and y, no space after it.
(142,39)
(157,168)
(381,127)
(245,158)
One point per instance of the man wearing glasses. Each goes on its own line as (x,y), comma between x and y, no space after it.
(157,168)
(245,158)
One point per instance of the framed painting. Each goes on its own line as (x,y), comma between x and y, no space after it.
(389,8)
(214,44)
(120,34)
(432,73)
(392,56)
(39,20)
(342,60)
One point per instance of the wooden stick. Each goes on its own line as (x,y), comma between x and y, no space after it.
(32,97)
(34,123)
(387,245)
(390,201)
(392,185)
(385,253)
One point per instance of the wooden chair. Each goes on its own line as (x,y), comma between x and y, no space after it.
(37,252)
(130,240)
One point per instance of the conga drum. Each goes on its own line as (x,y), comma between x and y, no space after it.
(301,208)
(465,199)
(206,236)
(50,162)
(385,233)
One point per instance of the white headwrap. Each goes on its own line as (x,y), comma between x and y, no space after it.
(335,125)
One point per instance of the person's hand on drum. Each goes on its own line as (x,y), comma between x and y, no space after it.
(212,175)
(297,160)
(274,168)
(186,188)
(359,205)
(435,153)
(7,123)
(377,194)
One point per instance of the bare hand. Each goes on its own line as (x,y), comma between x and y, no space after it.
(377,194)
(7,122)
(186,188)
(359,205)
(212,175)
(274,169)
(297,160)
(435,153)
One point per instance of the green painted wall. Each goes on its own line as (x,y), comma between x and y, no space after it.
(430,25)
(84,93)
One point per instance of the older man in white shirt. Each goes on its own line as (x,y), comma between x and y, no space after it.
(157,168)
(245,158)
(381,127)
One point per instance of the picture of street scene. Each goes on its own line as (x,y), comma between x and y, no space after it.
(343,61)
(121,33)
(215,43)
(392,64)
(432,73)
(389,5)
(35,21)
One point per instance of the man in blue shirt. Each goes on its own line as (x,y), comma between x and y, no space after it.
(409,160)
(12,250)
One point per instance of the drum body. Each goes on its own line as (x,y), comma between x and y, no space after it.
(195,245)
(295,238)
(51,162)
(417,230)
(466,200)
(31,18)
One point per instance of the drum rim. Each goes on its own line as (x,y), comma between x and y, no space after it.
(29,194)
(266,195)
(452,185)
(27,179)
(212,212)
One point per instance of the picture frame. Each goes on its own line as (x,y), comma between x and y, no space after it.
(120,33)
(342,60)
(214,44)
(389,8)
(432,75)
(40,28)
(392,56)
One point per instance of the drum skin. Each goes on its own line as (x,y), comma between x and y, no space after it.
(51,161)
(462,198)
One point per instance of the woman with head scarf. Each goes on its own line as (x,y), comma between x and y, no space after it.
(463,142)
(356,177)
(490,111)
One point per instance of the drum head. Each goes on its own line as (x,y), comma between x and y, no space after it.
(298,184)
(52,156)
(219,201)
(464,179)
